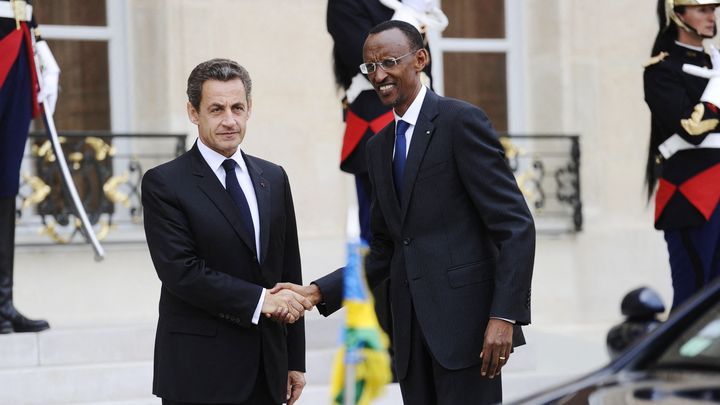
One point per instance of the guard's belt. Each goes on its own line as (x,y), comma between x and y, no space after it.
(676,143)
(6,10)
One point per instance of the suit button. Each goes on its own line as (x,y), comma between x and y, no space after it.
(406,241)
(405,282)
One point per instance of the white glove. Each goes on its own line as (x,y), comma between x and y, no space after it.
(712,90)
(50,72)
(423,6)
(423,14)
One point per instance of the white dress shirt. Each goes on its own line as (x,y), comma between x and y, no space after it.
(411,117)
(215,161)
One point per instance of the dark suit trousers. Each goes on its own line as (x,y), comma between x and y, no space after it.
(259,396)
(428,383)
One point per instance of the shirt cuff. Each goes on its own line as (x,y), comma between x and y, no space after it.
(256,314)
(503,319)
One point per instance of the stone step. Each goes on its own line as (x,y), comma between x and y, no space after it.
(110,344)
(42,385)
(113,365)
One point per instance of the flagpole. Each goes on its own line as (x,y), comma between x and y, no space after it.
(353,237)
(349,382)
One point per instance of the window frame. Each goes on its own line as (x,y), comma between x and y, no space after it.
(511,46)
(115,33)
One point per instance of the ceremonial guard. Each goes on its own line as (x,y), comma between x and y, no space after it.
(684,154)
(20,45)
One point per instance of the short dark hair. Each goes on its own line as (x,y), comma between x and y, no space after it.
(411,33)
(215,69)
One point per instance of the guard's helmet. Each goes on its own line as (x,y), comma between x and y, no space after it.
(670,13)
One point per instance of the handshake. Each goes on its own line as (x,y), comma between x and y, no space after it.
(287,302)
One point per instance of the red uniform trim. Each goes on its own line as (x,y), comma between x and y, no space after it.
(381,122)
(703,190)
(664,193)
(355,128)
(33,71)
(9,50)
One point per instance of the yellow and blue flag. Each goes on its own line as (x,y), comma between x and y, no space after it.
(363,354)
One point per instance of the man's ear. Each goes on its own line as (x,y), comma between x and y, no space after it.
(249,100)
(422,59)
(192,113)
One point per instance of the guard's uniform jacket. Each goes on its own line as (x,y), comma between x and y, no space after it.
(18,95)
(348,22)
(683,139)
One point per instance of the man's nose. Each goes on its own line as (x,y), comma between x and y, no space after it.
(227,119)
(379,75)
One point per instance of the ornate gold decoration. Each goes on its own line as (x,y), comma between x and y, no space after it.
(656,59)
(40,190)
(511,151)
(75,158)
(102,149)
(522,180)
(695,125)
(45,150)
(111,189)
(50,230)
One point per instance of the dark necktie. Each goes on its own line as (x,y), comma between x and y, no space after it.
(399,160)
(233,188)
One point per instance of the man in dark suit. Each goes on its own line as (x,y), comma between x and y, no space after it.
(450,229)
(221,229)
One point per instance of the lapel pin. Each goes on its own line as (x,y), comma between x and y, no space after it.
(427,132)
(262,184)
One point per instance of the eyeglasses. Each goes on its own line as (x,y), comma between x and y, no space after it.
(385,64)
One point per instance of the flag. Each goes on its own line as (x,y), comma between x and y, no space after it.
(363,356)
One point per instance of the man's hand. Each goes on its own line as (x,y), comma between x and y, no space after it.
(285,305)
(311,292)
(295,385)
(496,348)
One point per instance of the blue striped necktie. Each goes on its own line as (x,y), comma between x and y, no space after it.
(399,159)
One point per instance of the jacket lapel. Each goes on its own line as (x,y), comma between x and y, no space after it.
(211,187)
(262,193)
(421,136)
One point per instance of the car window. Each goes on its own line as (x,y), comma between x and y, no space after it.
(698,347)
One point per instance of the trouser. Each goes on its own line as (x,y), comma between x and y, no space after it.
(7,249)
(429,383)
(259,396)
(694,257)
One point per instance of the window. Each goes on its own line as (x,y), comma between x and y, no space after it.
(478,58)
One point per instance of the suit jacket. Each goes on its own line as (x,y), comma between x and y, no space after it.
(459,246)
(206,347)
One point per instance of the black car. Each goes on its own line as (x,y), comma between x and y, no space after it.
(678,362)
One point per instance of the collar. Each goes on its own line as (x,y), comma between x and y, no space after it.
(412,113)
(694,48)
(215,160)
